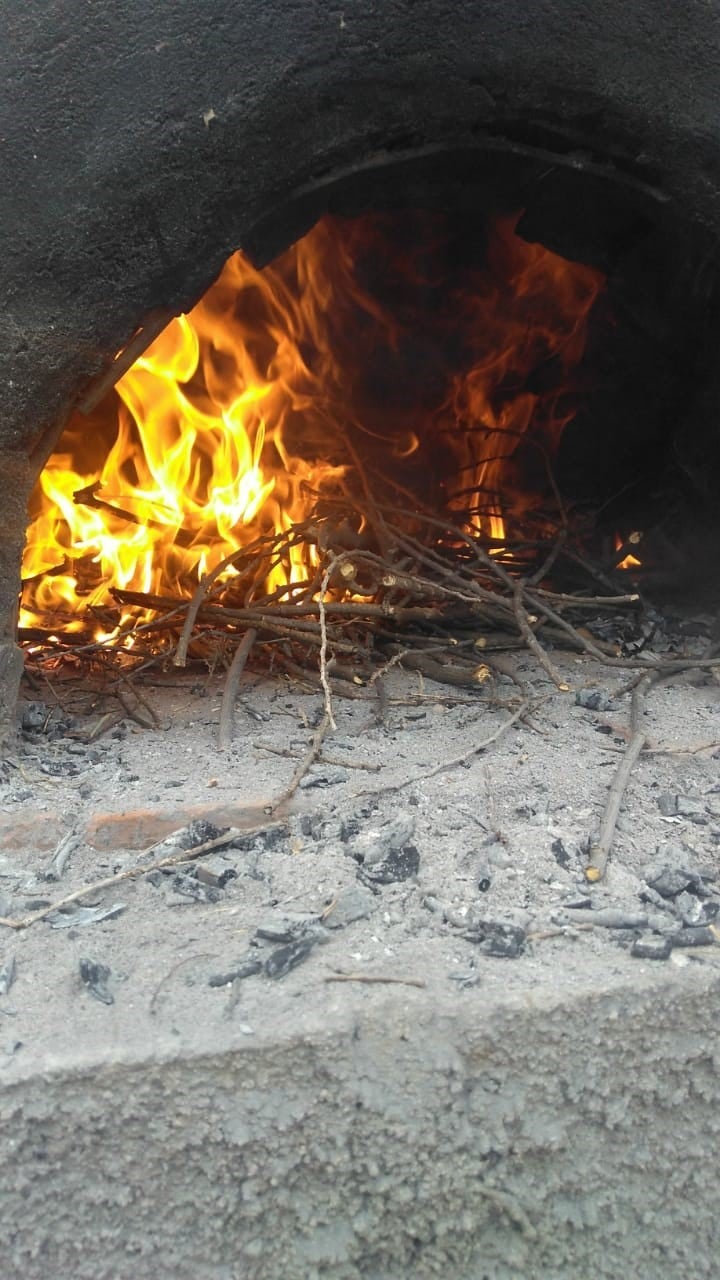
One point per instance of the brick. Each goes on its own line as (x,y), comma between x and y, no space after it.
(139,828)
(31,833)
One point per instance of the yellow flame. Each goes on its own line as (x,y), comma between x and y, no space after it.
(232,422)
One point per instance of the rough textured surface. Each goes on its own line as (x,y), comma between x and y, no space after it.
(549,1136)
(548,1115)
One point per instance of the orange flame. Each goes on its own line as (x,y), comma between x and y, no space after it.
(239,414)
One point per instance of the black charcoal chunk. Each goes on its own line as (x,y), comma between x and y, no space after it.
(190,887)
(95,977)
(72,917)
(560,854)
(290,928)
(283,959)
(496,939)
(33,716)
(593,699)
(700,937)
(651,947)
(692,807)
(375,843)
(246,967)
(668,804)
(322,777)
(261,841)
(669,880)
(215,877)
(400,864)
(199,831)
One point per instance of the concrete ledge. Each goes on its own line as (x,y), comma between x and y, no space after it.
(389,1135)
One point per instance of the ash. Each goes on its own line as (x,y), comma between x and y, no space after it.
(392,862)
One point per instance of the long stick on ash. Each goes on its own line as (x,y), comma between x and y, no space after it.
(227,708)
(600,850)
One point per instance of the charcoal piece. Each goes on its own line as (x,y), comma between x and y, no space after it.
(704,936)
(696,912)
(593,699)
(379,841)
(323,778)
(669,881)
(81,917)
(7,975)
(214,878)
(283,959)
(261,841)
(651,947)
(290,928)
(582,902)
(668,804)
(33,716)
(190,887)
(400,864)
(496,939)
(560,854)
(609,917)
(311,824)
(691,807)
(246,967)
(350,904)
(199,831)
(95,977)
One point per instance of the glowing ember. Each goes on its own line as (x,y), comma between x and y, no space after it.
(350,350)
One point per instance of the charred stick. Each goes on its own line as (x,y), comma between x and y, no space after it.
(532,641)
(137,870)
(462,677)
(338,688)
(322,758)
(600,850)
(455,761)
(370,978)
(227,708)
(134,713)
(180,657)
(308,759)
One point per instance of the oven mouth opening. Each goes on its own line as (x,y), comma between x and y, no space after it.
(457,407)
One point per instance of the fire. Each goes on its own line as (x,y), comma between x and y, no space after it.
(351,350)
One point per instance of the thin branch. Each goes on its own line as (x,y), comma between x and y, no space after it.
(138,870)
(227,708)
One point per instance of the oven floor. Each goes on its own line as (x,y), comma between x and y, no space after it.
(471,879)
